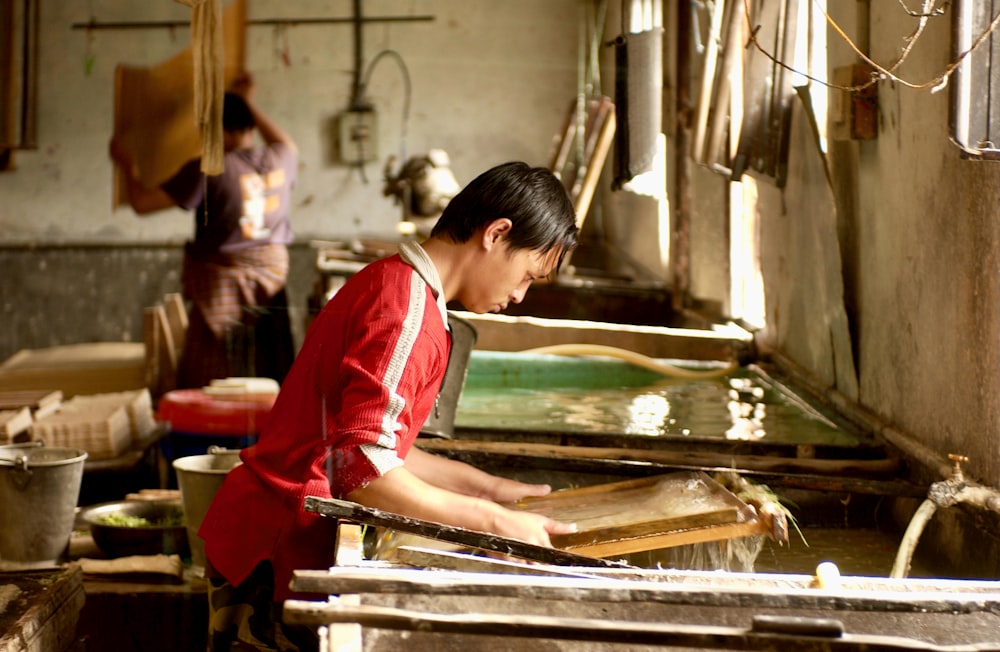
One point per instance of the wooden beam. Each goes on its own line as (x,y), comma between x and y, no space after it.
(688,459)
(813,633)
(856,594)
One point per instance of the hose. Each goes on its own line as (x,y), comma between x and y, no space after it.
(901,566)
(637,359)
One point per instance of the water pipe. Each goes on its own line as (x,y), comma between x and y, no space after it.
(637,359)
(945,493)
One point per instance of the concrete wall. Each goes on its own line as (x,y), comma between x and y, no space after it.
(901,252)
(491,82)
(922,243)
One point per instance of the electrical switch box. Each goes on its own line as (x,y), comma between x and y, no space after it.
(357,136)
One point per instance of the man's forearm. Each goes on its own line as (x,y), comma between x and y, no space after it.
(269,131)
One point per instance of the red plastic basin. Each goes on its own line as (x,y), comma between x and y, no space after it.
(194,411)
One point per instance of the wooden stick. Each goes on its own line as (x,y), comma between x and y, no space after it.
(416,557)
(683,458)
(820,631)
(870,594)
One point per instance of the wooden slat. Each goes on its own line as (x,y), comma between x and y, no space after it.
(598,142)
(84,368)
(34,399)
(14,423)
(177,319)
(416,557)
(871,594)
(767,633)
(350,544)
(885,466)
(152,340)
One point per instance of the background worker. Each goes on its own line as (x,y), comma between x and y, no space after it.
(236,267)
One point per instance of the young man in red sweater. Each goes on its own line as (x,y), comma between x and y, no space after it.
(362,386)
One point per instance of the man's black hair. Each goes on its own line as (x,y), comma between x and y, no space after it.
(236,115)
(532,198)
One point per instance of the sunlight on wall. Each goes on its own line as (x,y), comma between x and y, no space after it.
(810,55)
(645,15)
(747,285)
(654,184)
(747,300)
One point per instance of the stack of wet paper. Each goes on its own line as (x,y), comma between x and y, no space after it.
(20,409)
(104,425)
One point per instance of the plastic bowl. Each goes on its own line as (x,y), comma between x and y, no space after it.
(167,533)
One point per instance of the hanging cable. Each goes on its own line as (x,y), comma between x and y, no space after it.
(880,72)
(363,89)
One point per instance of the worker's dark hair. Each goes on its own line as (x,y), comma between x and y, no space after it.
(531,197)
(236,115)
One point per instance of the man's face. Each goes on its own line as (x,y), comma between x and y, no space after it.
(503,277)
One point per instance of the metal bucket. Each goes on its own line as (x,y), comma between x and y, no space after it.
(441,422)
(39,489)
(199,478)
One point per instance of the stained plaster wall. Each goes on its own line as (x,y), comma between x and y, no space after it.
(927,242)
(913,229)
(491,82)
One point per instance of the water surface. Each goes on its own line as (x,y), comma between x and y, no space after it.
(535,393)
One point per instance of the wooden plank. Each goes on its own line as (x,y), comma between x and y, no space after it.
(162,353)
(176,316)
(416,557)
(346,510)
(34,399)
(350,544)
(599,138)
(151,341)
(839,467)
(169,353)
(765,633)
(45,611)
(869,594)
(85,368)
(561,155)
(345,636)
(13,423)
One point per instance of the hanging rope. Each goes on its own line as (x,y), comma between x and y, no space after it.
(209,80)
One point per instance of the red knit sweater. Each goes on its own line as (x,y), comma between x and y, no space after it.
(360,389)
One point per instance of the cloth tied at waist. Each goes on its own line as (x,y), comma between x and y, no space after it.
(223,285)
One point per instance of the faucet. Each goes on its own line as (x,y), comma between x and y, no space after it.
(945,493)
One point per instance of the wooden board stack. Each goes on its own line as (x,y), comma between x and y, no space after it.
(15,426)
(104,425)
(20,409)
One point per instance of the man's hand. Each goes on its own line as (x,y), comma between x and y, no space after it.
(122,155)
(530,527)
(505,490)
